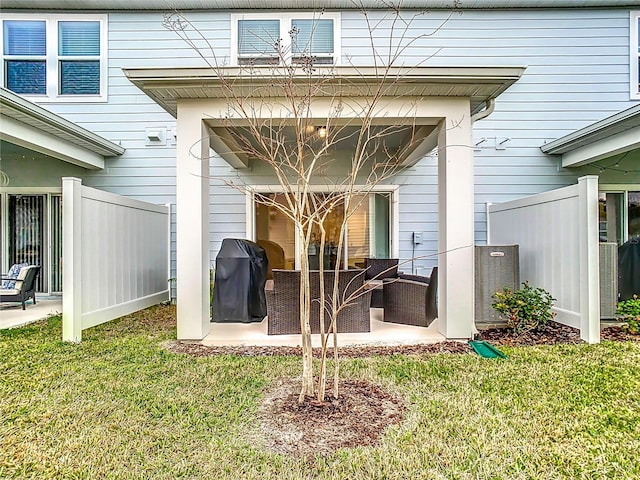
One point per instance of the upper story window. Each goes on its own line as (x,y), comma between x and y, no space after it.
(264,39)
(635,55)
(56,57)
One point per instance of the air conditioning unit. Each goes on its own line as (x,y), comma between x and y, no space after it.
(496,267)
(608,279)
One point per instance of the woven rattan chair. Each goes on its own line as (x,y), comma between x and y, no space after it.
(411,300)
(24,288)
(377,271)
(283,302)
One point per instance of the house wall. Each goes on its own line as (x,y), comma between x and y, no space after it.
(577,73)
(36,171)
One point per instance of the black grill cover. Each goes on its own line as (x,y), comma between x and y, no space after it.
(238,291)
(629,269)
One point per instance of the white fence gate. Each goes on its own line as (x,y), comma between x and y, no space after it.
(115,256)
(559,249)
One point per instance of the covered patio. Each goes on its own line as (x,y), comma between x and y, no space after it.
(441,102)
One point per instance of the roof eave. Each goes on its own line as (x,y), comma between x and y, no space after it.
(41,116)
(166,86)
(592,133)
(182,5)
(611,136)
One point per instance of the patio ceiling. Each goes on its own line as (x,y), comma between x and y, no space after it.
(168,86)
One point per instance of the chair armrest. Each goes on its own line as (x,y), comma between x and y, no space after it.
(414,278)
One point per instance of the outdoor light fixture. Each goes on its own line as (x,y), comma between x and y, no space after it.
(321,131)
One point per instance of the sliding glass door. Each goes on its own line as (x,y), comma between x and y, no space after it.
(33,234)
(368,230)
(27,233)
(619,216)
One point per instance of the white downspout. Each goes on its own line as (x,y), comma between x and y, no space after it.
(490,106)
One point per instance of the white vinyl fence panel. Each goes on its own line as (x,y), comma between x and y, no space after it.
(559,250)
(115,256)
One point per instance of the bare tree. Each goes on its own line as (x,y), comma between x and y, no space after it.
(300,153)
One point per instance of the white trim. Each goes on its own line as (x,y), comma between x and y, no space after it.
(634,54)
(394,211)
(31,190)
(618,187)
(55,146)
(52,58)
(604,148)
(181,5)
(285,26)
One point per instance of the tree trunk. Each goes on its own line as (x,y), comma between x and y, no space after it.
(305,304)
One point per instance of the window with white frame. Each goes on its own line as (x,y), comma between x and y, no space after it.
(264,39)
(635,55)
(56,57)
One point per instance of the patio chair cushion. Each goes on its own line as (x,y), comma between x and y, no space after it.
(13,272)
(26,286)
(9,291)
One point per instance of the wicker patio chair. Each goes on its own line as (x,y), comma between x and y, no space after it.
(411,300)
(24,288)
(377,270)
(283,302)
(355,315)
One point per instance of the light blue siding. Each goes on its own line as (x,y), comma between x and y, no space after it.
(577,73)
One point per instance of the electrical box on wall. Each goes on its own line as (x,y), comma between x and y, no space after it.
(417,238)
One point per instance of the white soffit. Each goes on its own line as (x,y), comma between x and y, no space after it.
(613,135)
(30,126)
(480,84)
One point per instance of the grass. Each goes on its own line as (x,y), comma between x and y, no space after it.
(120,406)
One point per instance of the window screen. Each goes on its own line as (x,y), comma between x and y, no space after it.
(78,39)
(25,41)
(258,37)
(312,37)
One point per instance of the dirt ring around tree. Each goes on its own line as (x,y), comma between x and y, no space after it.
(357,418)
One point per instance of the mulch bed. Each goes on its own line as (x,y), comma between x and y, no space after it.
(555,333)
(358,417)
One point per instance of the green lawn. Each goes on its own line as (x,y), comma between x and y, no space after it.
(120,406)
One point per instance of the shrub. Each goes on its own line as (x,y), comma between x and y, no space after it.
(526,309)
(629,312)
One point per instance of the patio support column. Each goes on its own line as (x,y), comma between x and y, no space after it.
(456,223)
(192,211)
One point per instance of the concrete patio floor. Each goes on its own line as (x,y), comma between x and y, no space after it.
(255,334)
(249,334)
(12,315)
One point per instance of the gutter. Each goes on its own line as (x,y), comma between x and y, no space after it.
(11,101)
(164,5)
(490,106)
